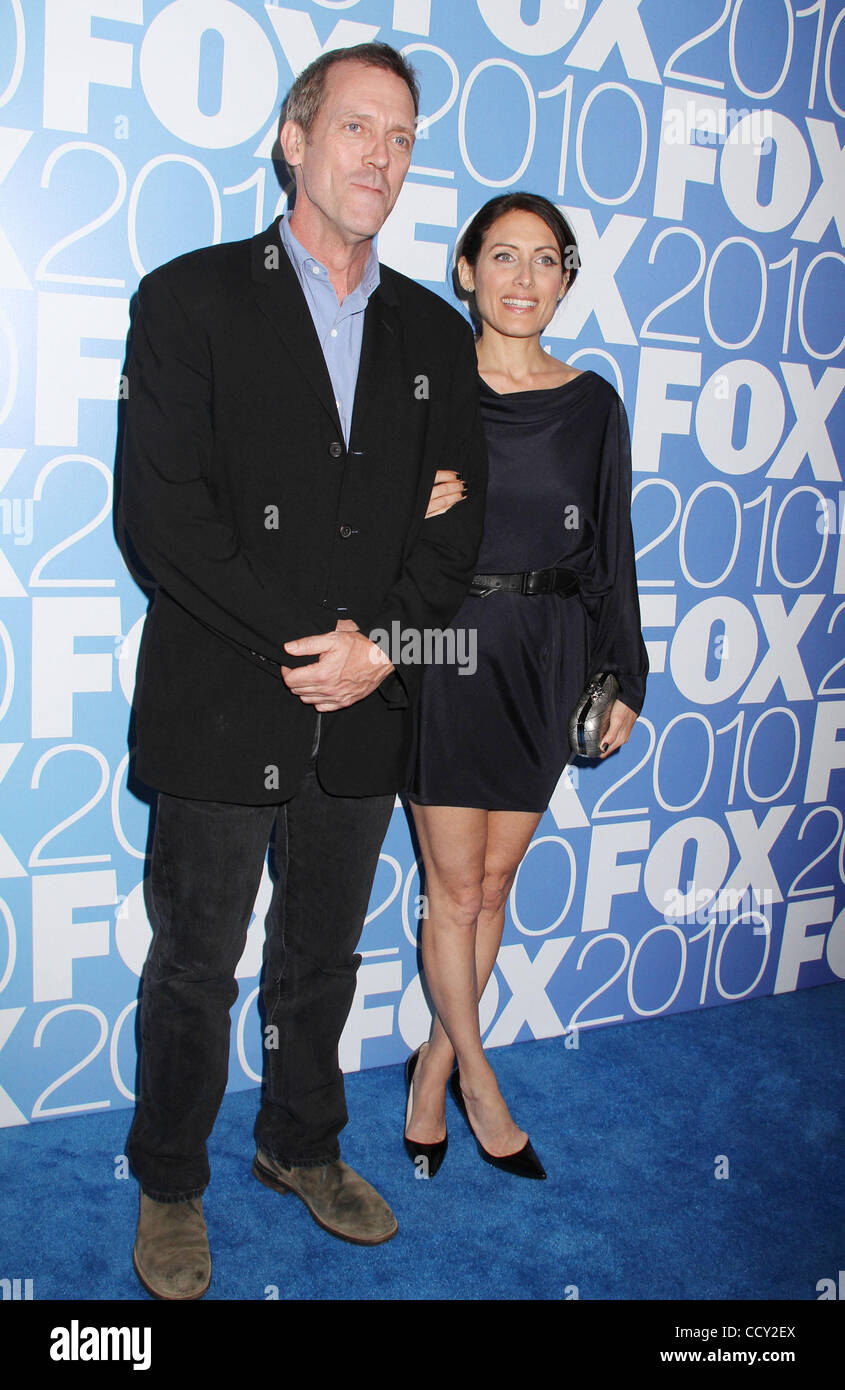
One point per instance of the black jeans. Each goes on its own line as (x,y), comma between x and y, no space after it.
(207,861)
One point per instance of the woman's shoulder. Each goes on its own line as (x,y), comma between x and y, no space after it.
(591,392)
(600,387)
(588,383)
(602,398)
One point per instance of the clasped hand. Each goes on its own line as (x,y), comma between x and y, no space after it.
(349,667)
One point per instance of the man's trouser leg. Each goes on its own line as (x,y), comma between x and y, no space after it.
(206,867)
(327,850)
(207,861)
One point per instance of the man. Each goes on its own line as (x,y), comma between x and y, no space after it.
(290,402)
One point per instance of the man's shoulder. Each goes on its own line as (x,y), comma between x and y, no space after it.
(424,304)
(226,264)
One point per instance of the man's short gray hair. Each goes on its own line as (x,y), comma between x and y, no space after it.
(305,98)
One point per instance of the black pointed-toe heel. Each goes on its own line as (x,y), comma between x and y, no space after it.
(433,1154)
(524,1163)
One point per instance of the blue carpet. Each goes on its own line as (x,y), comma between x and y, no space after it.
(630,1126)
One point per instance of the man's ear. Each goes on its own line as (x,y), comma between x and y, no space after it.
(292,139)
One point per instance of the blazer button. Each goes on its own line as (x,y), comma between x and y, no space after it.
(346,532)
(335,449)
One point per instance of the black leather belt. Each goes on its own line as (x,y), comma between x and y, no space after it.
(553,581)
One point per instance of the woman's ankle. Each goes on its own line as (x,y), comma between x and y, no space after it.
(478,1080)
(435,1062)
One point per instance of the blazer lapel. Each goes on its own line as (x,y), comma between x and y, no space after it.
(379,388)
(279,296)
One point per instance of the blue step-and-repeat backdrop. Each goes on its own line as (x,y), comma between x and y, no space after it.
(697,148)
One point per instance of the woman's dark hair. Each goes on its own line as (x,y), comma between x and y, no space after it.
(471,242)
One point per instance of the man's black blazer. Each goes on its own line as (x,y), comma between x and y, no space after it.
(257,525)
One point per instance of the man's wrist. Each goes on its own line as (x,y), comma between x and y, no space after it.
(378,656)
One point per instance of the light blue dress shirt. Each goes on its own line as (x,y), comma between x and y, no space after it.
(340,327)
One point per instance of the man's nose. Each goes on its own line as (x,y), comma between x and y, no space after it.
(378,153)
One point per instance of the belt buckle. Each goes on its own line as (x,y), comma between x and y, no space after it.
(534,584)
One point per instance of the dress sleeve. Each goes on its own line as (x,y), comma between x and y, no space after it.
(609,592)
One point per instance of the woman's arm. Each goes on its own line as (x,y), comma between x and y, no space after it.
(618,644)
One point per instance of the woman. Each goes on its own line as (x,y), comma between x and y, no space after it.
(491,748)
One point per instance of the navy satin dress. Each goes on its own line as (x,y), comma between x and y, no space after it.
(558,495)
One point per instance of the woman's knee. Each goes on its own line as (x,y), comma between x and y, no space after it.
(461,899)
(496,885)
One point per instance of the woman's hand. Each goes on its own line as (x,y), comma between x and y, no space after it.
(618,731)
(448,489)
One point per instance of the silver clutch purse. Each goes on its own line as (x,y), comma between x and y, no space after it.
(590,717)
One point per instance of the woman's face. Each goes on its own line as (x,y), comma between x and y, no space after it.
(518,278)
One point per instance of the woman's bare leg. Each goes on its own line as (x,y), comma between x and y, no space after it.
(471,857)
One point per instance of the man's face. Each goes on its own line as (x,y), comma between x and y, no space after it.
(351,166)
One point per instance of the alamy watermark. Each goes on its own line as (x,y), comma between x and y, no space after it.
(712,125)
(83,1343)
(429,646)
(16,518)
(711,905)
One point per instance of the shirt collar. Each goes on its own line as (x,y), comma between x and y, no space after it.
(303,261)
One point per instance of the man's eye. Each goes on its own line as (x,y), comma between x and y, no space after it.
(353,125)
